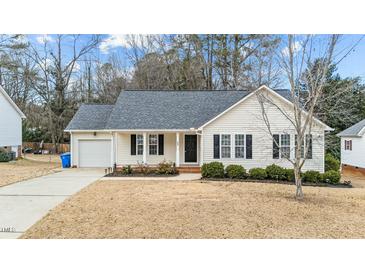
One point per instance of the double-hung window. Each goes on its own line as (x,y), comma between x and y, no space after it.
(308,143)
(153,144)
(285,146)
(239,146)
(348,144)
(226,145)
(223,144)
(306,147)
(139,143)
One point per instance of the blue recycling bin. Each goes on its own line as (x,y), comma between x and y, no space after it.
(66,159)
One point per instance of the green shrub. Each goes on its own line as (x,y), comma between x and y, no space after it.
(235,171)
(332,177)
(258,173)
(127,170)
(311,176)
(275,172)
(331,163)
(289,174)
(4,155)
(167,168)
(213,170)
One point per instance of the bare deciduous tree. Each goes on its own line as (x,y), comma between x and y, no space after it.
(54,71)
(306,73)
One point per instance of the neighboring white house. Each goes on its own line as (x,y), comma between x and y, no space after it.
(189,128)
(353,146)
(10,124)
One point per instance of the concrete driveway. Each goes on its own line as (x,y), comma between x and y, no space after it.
(24,203)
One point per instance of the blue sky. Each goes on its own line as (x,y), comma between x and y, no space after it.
(351,66)
(354,64)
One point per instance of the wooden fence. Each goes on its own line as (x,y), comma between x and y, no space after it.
(62,148)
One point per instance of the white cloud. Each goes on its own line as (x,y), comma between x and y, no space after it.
(42,39)
(125,41)
(76,67)
(296,47)
(113,41)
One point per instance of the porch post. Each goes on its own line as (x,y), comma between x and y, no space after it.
(115,147)
(112,150)
(177,161)
(145,147)
(201,149)
(71,149)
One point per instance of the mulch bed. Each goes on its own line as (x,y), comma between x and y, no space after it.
(339,185)
(120,174)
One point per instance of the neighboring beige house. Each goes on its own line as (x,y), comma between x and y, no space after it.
(353,146)
(10,124)
(189,128)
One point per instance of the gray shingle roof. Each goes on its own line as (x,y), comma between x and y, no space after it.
(92,117)
(157,110)
(169,109)
(354,130)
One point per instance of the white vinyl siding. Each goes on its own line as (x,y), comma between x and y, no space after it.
(246,118)
(354,157)
(10,124)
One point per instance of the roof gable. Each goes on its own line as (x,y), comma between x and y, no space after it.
(356,130)
(11,102)
(282,94)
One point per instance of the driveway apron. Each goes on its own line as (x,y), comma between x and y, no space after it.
(23,204)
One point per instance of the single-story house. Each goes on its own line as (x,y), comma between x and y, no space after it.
(189,128)
(353,146)
(10,124)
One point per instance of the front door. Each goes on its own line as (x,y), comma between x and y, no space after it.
(191,148)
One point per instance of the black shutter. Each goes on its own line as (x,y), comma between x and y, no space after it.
(248,146)
(160,144)
(309,145)
(216,146)
(275,146)
(133,144)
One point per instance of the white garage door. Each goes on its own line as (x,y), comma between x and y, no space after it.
(94,153)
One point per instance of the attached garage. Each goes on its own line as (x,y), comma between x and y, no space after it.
(94,153)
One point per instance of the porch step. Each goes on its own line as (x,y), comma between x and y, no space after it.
(189,169)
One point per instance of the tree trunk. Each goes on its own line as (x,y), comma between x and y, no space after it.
(298,182)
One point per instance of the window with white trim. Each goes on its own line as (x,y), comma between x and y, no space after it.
(153,144)
(348,144)
(226,146)
(306,147)
(139,143)
(239,145)
(285,146)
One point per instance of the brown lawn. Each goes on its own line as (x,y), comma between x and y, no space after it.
(127,209)
(23,169)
